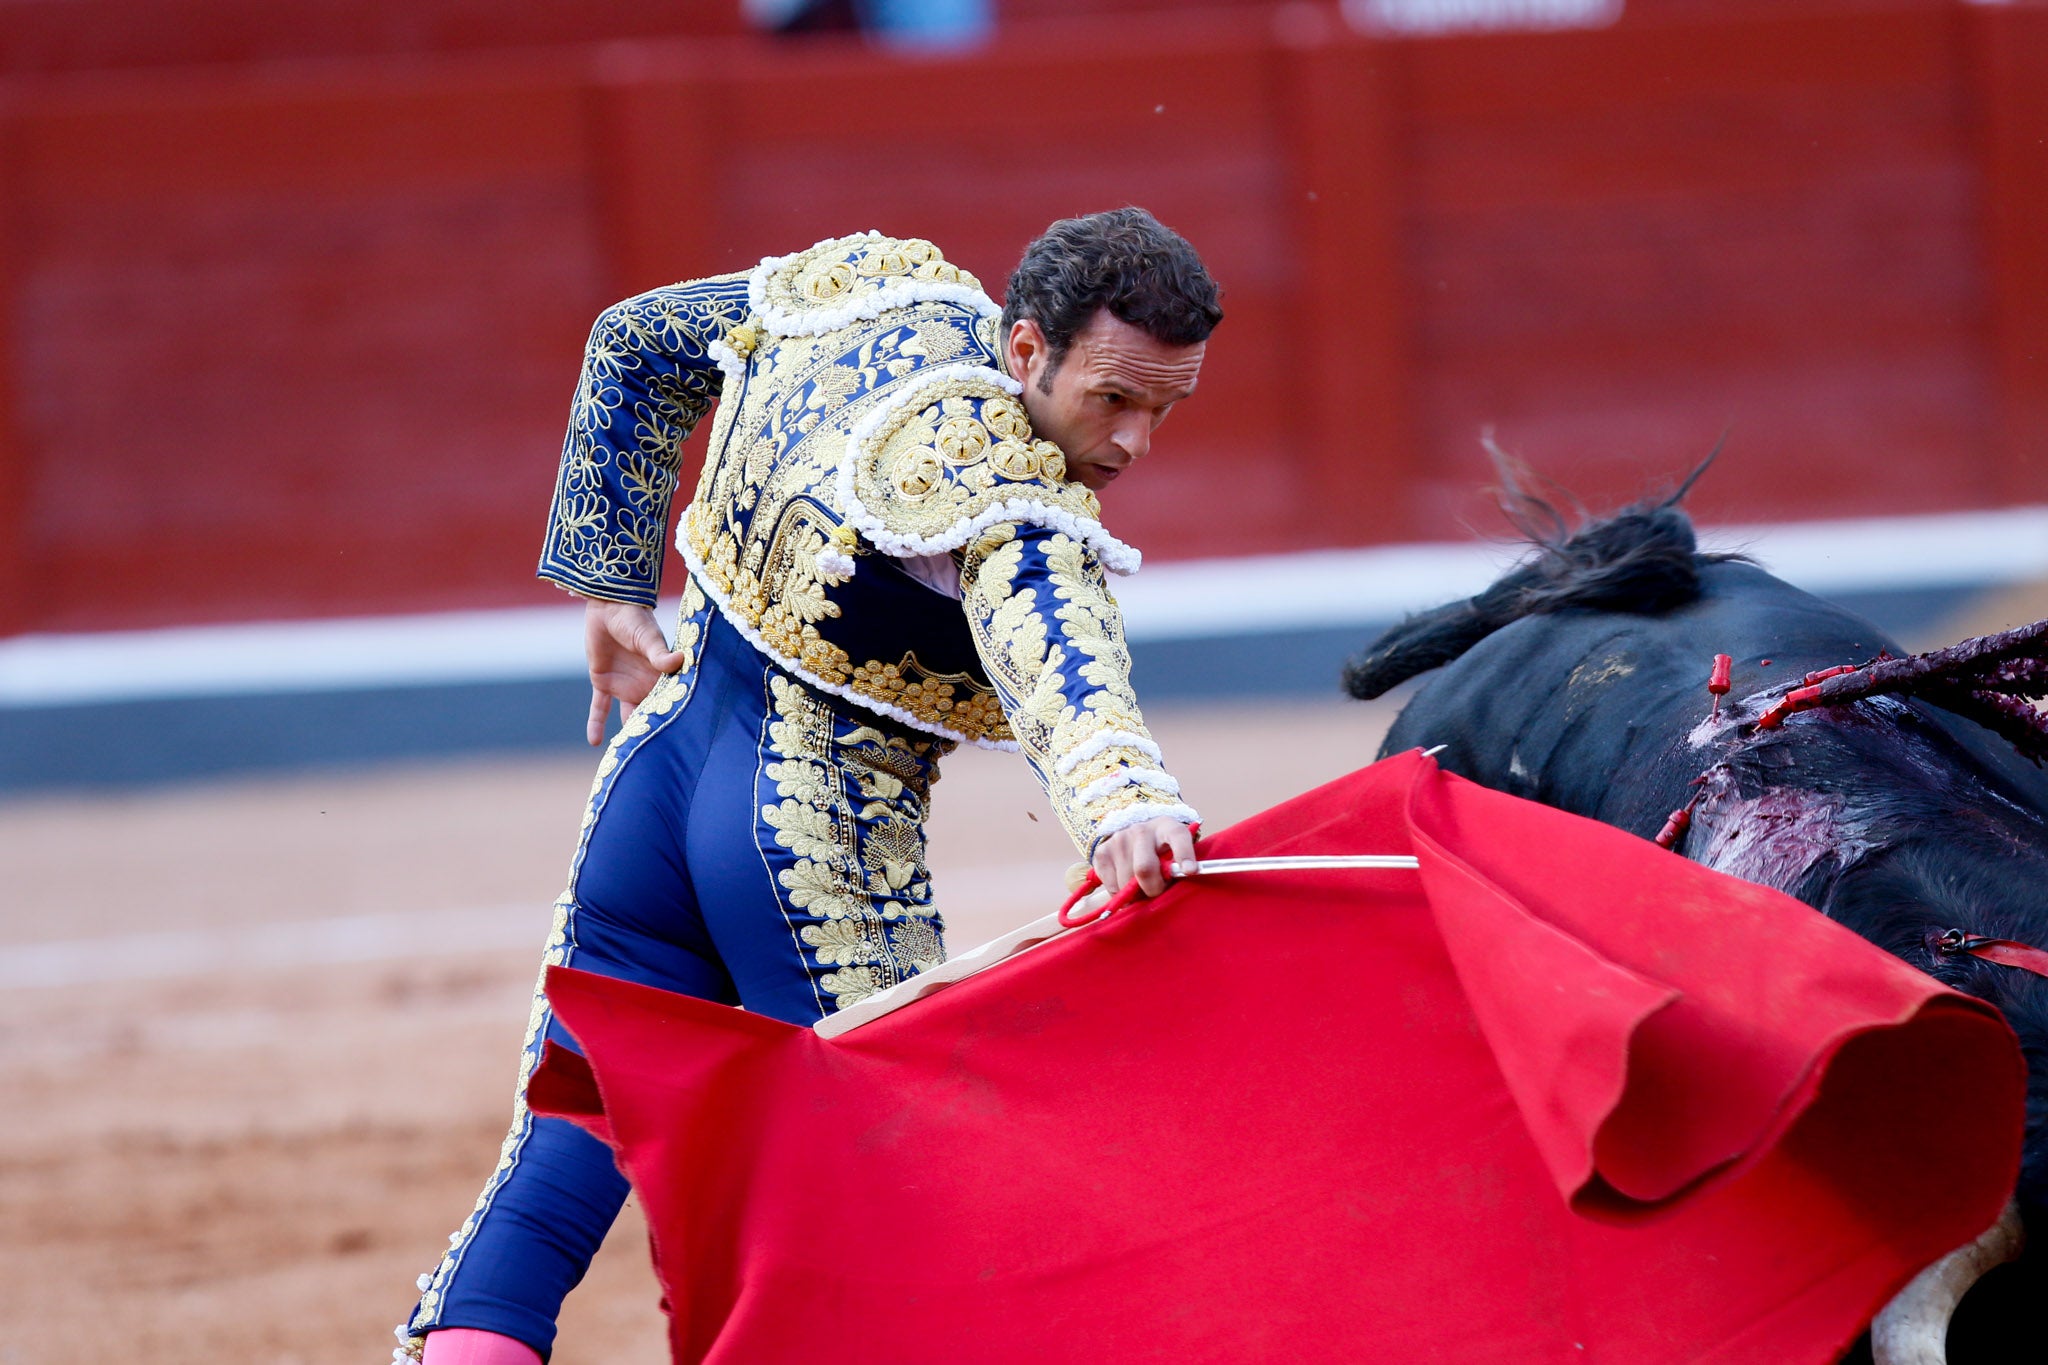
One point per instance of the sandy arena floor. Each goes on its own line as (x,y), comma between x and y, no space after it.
(259,1036)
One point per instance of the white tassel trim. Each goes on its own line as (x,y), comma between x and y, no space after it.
(880,708)
(729,362)
(818,321)
(1138,815)
(1156,778)
(1106,739)
(835,566)
(1114,554)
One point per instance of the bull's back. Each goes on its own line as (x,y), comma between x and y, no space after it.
(1590,710)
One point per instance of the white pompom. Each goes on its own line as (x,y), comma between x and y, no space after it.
(834,566)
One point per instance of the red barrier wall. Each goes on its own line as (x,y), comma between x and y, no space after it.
(297,337)
(2010,52)
(1654,233)
(17,576)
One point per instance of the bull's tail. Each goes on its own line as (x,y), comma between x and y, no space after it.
(1643,559)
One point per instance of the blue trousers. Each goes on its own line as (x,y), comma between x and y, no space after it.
(750,840)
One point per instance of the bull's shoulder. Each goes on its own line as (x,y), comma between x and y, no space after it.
(1746,612)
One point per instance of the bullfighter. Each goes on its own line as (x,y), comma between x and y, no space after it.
(895,547)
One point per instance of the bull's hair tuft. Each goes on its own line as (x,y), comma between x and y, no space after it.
(1643,559)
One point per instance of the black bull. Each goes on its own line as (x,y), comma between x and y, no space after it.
(1580,681)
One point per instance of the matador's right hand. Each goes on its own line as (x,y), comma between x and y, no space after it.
(628,654)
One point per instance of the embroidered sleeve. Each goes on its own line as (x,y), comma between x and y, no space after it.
(1052,640)
(649,375)
(951,454)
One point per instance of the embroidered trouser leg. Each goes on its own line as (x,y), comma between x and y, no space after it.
(748,840)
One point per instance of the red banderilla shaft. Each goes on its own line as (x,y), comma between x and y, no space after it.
(1717,682)
(1796,700)
(1675,827)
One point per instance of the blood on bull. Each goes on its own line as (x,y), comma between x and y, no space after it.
(1899,795)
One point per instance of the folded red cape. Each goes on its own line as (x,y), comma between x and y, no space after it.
(1559,1095)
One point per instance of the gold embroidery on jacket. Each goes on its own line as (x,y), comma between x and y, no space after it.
(757,525)
(930,467)
(849,269)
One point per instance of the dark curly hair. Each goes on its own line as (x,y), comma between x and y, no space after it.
(1124,260)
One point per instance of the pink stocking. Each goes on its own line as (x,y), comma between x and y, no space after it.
(469,1346)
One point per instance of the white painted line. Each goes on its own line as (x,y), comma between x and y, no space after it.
(1191,599)
(389,936)
(1326,589)
(1877,553)
(293,656)
(1311,590)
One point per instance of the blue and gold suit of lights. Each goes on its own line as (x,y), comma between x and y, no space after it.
(884,561)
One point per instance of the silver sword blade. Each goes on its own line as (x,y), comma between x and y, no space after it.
(1293,863)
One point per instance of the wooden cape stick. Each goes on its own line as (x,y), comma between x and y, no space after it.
(1039,930)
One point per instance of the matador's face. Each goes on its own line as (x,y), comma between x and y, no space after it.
(1102,400)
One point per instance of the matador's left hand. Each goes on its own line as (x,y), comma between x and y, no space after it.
(628,654)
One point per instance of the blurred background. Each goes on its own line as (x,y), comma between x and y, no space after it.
(295,293)
(292,298)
